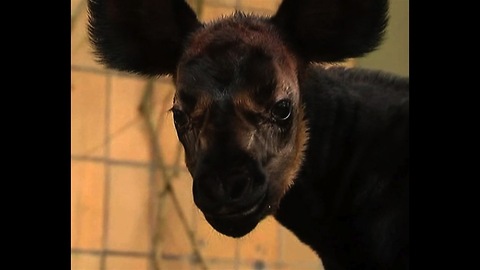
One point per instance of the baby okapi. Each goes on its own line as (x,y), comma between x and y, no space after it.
(265,132)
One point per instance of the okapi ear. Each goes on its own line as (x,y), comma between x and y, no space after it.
(140,36)
(332,30)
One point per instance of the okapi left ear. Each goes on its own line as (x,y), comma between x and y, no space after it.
(141,36)
(332,30)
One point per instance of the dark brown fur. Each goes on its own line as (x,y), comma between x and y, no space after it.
(266,133)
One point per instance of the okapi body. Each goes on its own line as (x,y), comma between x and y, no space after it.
(267,132)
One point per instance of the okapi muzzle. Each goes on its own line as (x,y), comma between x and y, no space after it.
(231,190)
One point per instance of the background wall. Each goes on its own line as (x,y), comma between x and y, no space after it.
(393,54)
(131,203)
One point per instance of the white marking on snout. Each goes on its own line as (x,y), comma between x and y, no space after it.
(250,140)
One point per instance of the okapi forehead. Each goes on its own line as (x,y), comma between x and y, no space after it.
(249,30)
(241,55)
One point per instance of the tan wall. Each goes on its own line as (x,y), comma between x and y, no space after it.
(119,219)
(393,54)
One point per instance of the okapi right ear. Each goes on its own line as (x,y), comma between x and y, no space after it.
(332,30)
(140,36)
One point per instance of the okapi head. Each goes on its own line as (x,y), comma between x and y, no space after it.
(237,108)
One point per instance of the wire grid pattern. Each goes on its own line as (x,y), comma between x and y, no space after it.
(156,254)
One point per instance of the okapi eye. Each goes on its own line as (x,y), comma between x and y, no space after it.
(179,117)
(282,110)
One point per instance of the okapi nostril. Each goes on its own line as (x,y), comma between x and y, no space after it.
(221,190)
(238,188)
(214,189)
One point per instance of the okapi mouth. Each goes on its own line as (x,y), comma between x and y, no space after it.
(232,190)
(239,223)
